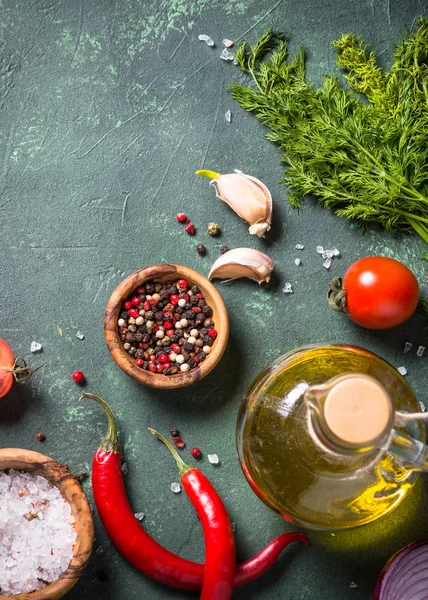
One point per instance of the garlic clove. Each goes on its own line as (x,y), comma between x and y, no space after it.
(242,262)
(247,196)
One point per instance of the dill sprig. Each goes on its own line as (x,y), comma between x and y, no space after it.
(364,158)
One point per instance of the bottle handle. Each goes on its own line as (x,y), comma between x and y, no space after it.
(414,452)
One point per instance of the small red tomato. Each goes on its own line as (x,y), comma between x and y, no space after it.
(174,299)
(127,305)
(380,292)
(78,377)
(181,217)
(136,301)
(182,283)
(6,360)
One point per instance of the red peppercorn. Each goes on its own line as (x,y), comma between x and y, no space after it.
(177,441)
(196,359)
(153,358)
(199,295)
(163,358)
(153,301)
(143,346)
(174,299)
(133,312)
(182,283)
(155,328)
(127,305)
(41,437)
(186,297)
(147,305)
(187,220)
(176,348)
(140,290)
(170,332)
(139,362)
(196,453)
(190,229)
(212,333)
(152,367)
(167,324)
(181,217)
(159,368)
(196,309)
(136,300)
(78,377)
(167,365)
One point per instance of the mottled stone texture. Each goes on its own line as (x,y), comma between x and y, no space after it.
(106,110)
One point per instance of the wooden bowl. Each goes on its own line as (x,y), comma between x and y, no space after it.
(72,492)
(159,273)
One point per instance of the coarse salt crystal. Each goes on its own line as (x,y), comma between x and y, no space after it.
(176,488)
(407,347)
(228,116)
(420,351)
(320,249)
(227,43)
(336,252)
(139,516)
(327,254)
(35,347)
(226,55)
(422,405)
(297,261)
(80,335)
(213,459)
(125,469)
(206,38)
(353,586)
(402,370)
(327,263)
(287,289)
(299,247)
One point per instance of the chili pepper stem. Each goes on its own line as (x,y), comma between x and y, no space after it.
(182,466)
(20,370)
(111,441)
(208,173)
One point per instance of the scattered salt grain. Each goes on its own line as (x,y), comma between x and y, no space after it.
(228,116)
(407,347)
(402,370)
(287,289)
(226,55)
(43,545)
(99,550)
(353,586)
(35,347)
(213,459)
(422,405)
(125,469)
(420,351)
(206,38)
(227,43)
(176,488)
(327,263)
(299,247)
(80,335)
(320,249)
(297,261)
(328,254)
(139,516)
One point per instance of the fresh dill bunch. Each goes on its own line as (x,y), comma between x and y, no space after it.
(364,158)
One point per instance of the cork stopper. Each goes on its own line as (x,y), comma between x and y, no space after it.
(357,410)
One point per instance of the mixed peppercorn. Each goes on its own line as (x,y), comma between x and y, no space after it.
(167,327)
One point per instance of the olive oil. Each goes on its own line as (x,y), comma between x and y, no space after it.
(289,464)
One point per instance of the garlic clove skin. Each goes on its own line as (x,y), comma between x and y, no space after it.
(247,196)
(242,262)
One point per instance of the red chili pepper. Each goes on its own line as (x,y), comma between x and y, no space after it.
(219,541)
(136,545)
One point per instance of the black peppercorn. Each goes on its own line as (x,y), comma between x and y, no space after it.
(201,303)
(149,315)
(194,300)
(173,290)
(174,431)
(195,289)
(207,310)
(203,331)
(202,356)
(129,337)
(164,295)
(188,347)
(139,354)
(132,350)
(149,287)
(138,336)
(191,362)
(159,316)
(201,249)
(179,310)
(124,315)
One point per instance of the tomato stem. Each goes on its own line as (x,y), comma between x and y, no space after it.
(110,443)
(337,295)
(182,466)
(20,370)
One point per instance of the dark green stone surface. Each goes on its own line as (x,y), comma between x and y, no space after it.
(106,110)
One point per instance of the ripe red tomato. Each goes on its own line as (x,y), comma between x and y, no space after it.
(380,292)
(6,360)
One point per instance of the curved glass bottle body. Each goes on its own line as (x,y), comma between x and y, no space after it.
(288,467)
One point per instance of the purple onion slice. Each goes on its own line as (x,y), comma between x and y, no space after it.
(405,575)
